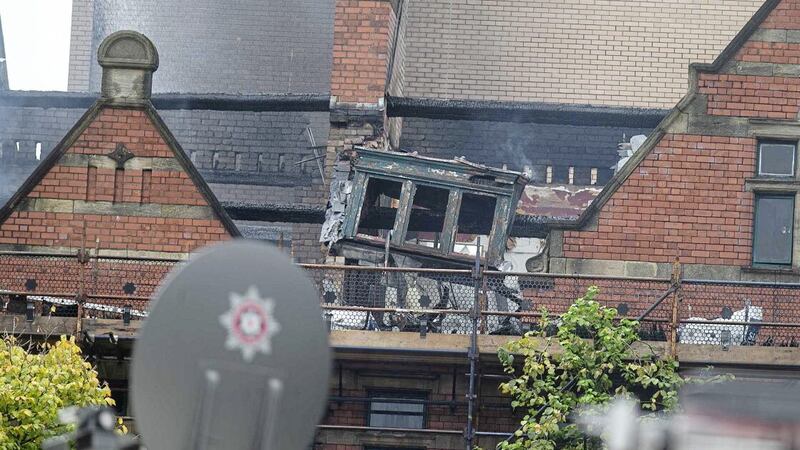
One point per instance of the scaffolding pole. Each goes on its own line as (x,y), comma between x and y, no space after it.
(469,433)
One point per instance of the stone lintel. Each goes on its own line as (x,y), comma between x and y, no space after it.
(776,35)
(71,251)
(105,162)
(775,128)
(709,125)
(117,209)
(663,270)
(769,35)
(761,69)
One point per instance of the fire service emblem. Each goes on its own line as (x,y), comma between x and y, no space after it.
(250,323)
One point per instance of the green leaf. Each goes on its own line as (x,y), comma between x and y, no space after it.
(594,358)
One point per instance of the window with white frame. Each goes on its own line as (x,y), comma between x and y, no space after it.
(777,158)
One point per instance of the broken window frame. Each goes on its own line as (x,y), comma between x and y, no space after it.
(487,245)
(403,215)
(446,236)
(455,176)
(362,197)
(450,228)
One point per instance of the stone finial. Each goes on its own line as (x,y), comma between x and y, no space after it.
(128,59)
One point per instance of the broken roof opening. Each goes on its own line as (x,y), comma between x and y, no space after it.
(428,208)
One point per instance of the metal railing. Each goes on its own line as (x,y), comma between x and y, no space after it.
(435,300)
(81,284)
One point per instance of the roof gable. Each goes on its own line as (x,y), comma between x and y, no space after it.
(677,117)
(84,167)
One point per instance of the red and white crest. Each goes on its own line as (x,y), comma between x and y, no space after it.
(250,323)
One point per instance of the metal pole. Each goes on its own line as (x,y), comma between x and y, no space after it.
(469,435)
(81,297)
(676,283)
(386,249)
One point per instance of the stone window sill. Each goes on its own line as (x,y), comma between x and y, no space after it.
(776,270)
(777,185)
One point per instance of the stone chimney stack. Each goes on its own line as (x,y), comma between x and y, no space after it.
(128,59)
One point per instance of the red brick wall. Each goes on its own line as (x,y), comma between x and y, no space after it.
(751,96)
(771,52)
(65,277)
(361,44)
(686,198)
(493,411)
(134,129)
(785,16)
(759,96)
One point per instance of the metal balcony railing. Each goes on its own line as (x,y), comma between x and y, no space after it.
(434,300)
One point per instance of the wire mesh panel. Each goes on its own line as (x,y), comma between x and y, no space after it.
(434,300)
(533,293)
(124,282)
(739,313)
(108,287)
(35,273)
(361,298)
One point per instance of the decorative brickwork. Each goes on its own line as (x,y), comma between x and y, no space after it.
(149,204)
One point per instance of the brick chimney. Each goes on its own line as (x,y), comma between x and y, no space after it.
(363,37)
(361,51)
(128,59)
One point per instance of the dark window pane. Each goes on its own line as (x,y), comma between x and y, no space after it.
(772,243)
(776,159)
(384,412)
(426,222)
(379,210)
(475,220)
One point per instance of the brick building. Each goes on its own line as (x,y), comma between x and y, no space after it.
(556,131)
(117,185)
(713,182)
(407,390)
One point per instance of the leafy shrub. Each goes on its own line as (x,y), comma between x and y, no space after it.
(587,361)
(35,383)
